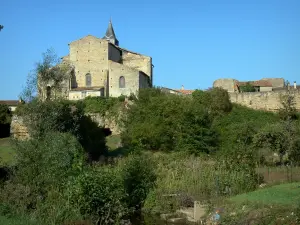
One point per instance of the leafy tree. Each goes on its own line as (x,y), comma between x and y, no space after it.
(166,122)
(216,100)
(288,110)
(50,71)
(66,117)
(5,114)
(1,27)
(5,119)
(247,88)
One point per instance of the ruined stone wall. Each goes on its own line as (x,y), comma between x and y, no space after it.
(17,128)
(19,131)
(269,101)
(139,62)
(227,84)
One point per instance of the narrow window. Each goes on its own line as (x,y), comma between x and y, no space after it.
(48,93)
(88,80)
(122,82)
(73,81)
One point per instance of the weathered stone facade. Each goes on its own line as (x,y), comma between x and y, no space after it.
(269,101)
(101,68)
(18,129)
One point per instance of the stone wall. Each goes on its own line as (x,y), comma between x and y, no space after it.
(17,128)
(269,101)
(89,55)
(227,84)
(138,62)
(19,131)
(131,76)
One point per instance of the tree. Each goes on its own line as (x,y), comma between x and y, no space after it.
(48,72)
(216,100)
(288,111)
(1,27)
(247,88)
(5,119)
(5,114)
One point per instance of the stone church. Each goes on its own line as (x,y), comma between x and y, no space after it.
(100,67)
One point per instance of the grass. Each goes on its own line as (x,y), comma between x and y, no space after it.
(284,194)
(6,152)
(113,142)
(15,221)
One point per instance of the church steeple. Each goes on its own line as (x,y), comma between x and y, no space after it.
(110,34)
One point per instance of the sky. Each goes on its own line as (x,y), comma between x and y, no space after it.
(191,42)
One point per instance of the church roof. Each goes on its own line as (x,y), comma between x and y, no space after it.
(110,33)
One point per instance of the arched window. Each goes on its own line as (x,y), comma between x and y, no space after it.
(73,80)
(88,80)
(48,93)
(122,82)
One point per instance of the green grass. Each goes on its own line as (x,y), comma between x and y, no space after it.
(15,221)
(6,151)
(283,194)
(113,142)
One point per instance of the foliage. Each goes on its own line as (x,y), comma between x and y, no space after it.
(5,114)
(216,100)
(288,110)
(166,122)
(40,176)
(182,178)
(138,177)
(109,107)
(49,71)
(5,119)
(109,193)
(1,27)
(64,116)
(247,88)
(237,128)
(99,194)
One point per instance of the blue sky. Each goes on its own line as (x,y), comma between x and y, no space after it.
(192,42)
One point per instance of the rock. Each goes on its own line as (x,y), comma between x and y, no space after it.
(176,220)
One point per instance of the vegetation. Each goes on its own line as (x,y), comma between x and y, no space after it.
(247,88)
(5,119)
(178,149)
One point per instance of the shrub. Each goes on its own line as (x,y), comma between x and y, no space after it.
(42,165)
(5,119)
(99,193)
(139,177)
(216,100)
(64,116)
(166,122)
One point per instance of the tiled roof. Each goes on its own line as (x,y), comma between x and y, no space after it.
(96,88)
(185,92)
(258,83)
(9,102)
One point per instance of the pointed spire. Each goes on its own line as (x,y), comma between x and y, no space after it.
(110,34)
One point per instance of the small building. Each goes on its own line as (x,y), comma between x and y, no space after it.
(12,104)
(258,86)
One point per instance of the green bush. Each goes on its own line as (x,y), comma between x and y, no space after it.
(166,122)
(139,177)
(64,116)
(42,165)
(99,194)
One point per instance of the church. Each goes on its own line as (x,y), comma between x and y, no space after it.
(100,67)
